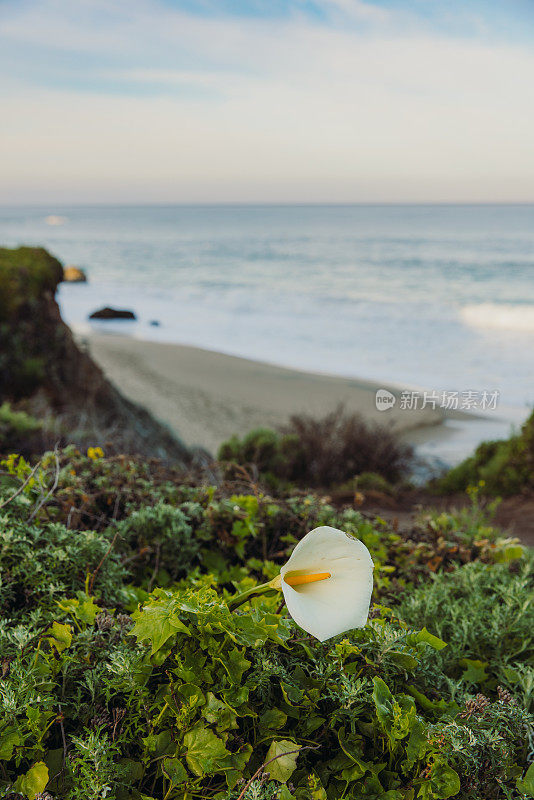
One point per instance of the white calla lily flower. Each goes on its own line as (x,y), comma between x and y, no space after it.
(327,582)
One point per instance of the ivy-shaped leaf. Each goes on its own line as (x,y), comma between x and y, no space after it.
(34,781)
(59,636)
(9,739)
(174,770)
(444,781)
(204,750)
(156,623)
(82,607)
(285,754)
(475,670)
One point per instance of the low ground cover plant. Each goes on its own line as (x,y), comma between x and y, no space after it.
(126,672)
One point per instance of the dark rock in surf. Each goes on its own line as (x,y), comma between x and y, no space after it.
(112,313)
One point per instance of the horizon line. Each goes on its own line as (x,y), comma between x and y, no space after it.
(267,203)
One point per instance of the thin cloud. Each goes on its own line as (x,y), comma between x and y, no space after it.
(184,108)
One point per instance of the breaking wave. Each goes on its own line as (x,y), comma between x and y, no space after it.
(510,316)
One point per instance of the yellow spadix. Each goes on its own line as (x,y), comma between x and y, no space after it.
(301,580)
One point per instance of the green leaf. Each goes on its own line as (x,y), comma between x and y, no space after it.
(273,719)
(428,638)
(475,671)
(404,716)
(404,660)
(285,794)
(87,610)
(512,675)
(130,771)
(286,753)
(204,750)
(511,552)
(396,715)
(311,723)
(417,745)
(234,764)
(526,783)
(34,781)
(9,739)
(59,636)
(219,714)
(353,773)
(255,632)
(159,744)
(82,607)
(235,665)
(383,700)
(54,761)
(444,781)
(156,623)
(174,770)
(192,695)
(315,788)
(438,707)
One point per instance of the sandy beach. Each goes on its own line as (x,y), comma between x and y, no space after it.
(205,396)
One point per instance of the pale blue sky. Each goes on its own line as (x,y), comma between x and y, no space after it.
(286,100)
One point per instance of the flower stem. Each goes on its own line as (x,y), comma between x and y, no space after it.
(239,599)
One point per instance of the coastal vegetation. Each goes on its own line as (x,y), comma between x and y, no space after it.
(129,670)
(126,674)
(320,452)
(506,466)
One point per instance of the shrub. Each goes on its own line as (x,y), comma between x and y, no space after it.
(372,481)
(320,452)
(162,531)
(485,615)
(263,449)
(40,563)
(160,526)
(96,492)
(15,427)
(506,467)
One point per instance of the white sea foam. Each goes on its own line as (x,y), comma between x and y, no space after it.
(505,316)
(392,294)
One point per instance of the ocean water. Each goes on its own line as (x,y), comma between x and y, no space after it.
(435,297)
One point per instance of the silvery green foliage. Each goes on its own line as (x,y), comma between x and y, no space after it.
(126,680)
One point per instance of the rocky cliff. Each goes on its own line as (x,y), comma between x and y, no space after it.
(43,369)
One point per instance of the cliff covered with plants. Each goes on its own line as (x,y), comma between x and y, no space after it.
(44,370)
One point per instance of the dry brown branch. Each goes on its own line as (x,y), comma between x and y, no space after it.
(106,554)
